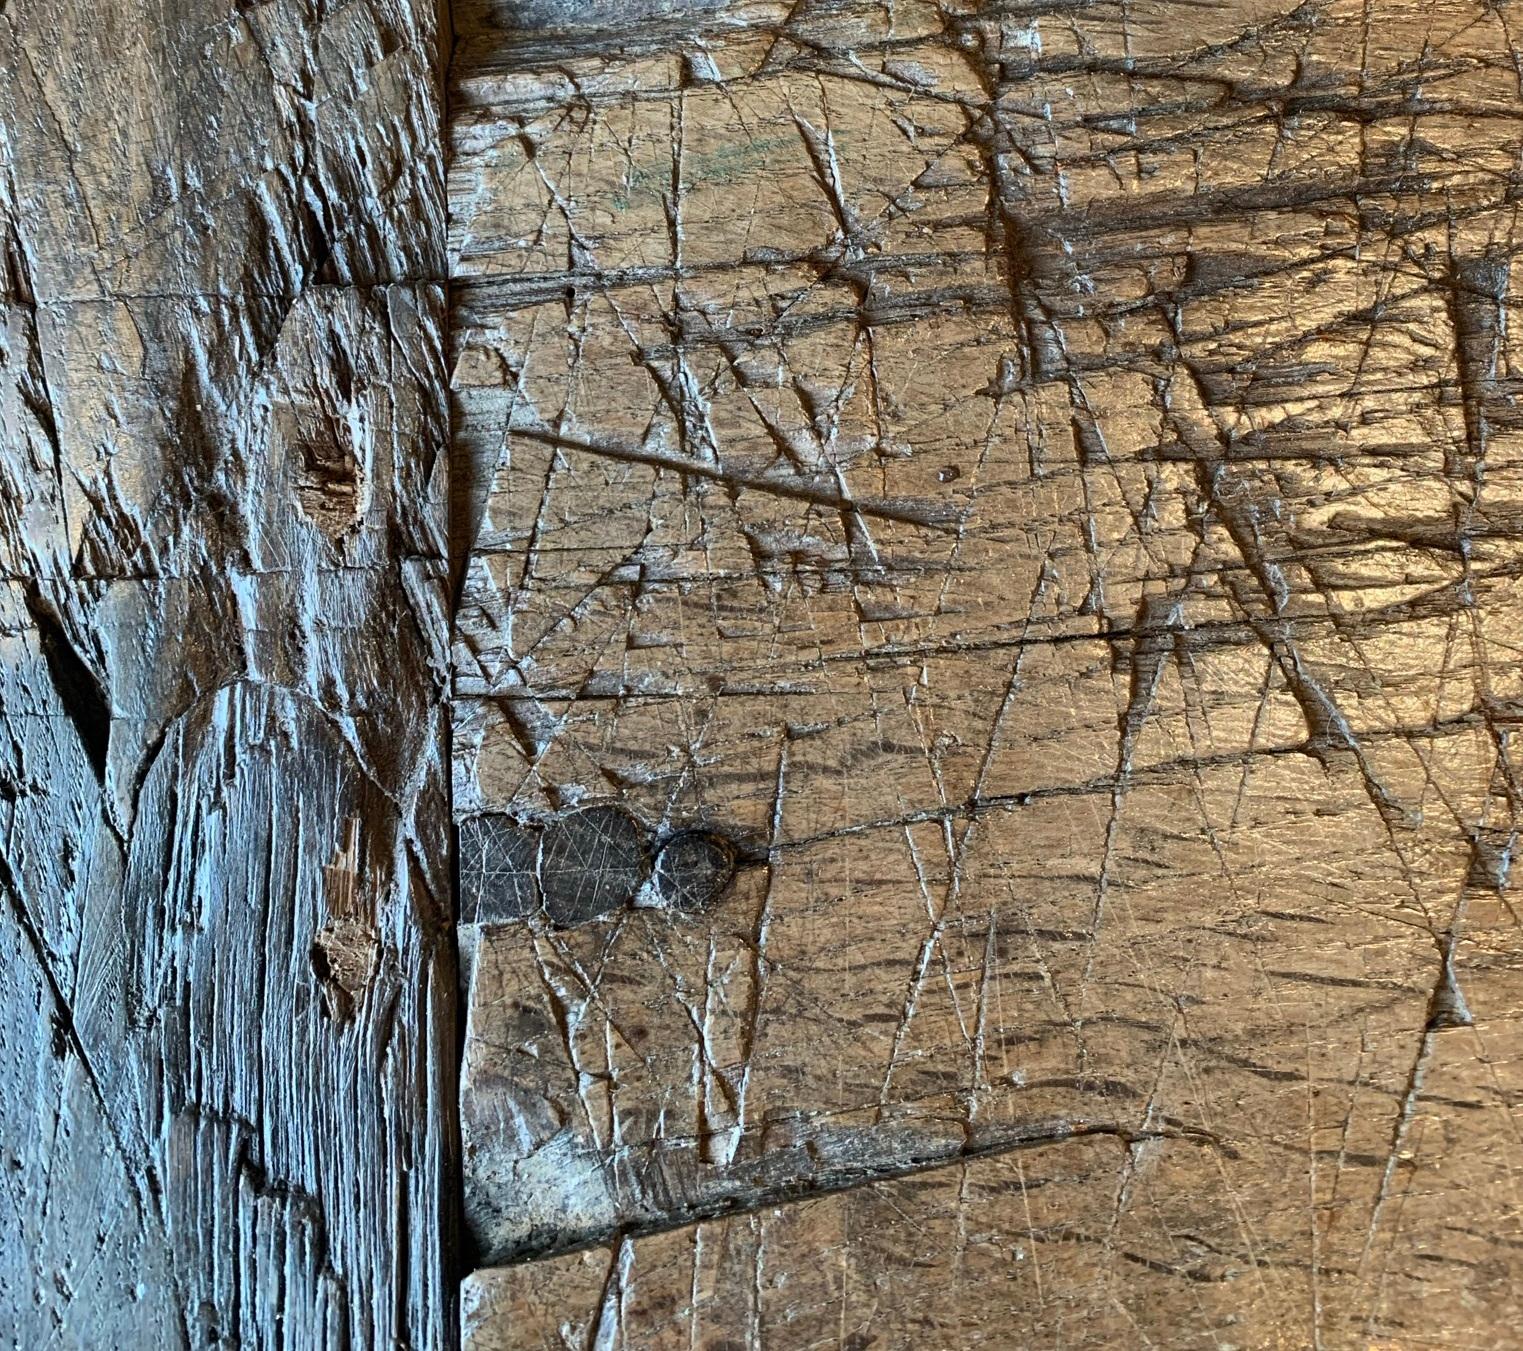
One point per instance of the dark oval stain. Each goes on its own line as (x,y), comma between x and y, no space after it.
(590,862)
(692,869)
(497,870)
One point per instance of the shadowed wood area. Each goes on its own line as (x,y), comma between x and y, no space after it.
(1020,503)
(226,1038)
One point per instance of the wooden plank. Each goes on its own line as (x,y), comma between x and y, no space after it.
(1041,485)
(227,1086)
(1056,1246)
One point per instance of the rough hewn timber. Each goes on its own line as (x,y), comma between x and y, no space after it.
(225,1025)
(1044,482)
(1015,1250)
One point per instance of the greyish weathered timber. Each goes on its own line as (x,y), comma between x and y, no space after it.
(1042,483)
(226,1041)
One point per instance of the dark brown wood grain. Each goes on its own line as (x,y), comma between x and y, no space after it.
(226,1037)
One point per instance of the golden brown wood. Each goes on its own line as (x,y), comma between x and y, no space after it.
(1043,483)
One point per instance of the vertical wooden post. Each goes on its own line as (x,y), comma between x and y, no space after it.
(226,1048)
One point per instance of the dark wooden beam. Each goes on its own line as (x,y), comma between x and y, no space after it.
(226,1087)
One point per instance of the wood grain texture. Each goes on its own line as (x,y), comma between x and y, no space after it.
(226,1042)
(1043,483)
(1015,1250)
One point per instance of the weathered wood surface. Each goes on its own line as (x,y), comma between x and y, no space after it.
(1041,482)
(1020,1249)
(226,1047)
(985,673)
